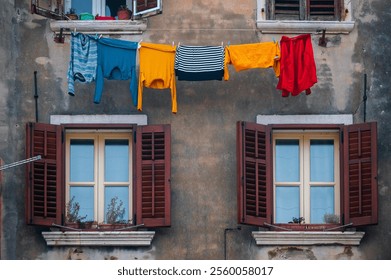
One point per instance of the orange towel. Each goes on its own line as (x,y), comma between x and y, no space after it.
(256,55)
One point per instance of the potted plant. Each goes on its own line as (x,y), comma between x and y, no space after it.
(115,213)
(124,13)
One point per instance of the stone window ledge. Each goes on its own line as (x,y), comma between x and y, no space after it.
(99,238)
(307,238)
(99,26)
(302,27)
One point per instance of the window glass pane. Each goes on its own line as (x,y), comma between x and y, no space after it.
(322,203)
(82,160)
(117,160)
(287,204)
(84,6)
(322,160)
(113,5)
(116,204)
(287,160)
(84,196)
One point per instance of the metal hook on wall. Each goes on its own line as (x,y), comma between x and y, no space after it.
(323,40)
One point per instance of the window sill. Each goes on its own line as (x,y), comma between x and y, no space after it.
(307,238)
(99,26)
(99,238)
(302,27)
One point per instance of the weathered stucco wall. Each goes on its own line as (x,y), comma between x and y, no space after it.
(203,182)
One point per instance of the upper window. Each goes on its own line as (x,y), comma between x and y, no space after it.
(307,176)
(304,16)
(60,9)
(107,174)
(304,9)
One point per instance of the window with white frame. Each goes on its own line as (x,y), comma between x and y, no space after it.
(58,9)
(88,169)
(99,175)
(306,177)
(304,16)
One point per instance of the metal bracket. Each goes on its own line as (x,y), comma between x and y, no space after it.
(59,38)
(323,40)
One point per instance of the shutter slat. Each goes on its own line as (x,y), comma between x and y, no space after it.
(360,174)
(153,176)
(254,177)
(44,205)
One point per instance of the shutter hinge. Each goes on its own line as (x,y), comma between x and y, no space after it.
(62,136)
(134,136)
(342,136)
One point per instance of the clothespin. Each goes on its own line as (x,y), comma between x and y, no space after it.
(139,44)
(222,43)
(173,43)
(274,40)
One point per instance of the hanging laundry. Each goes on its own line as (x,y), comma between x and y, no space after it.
(298,69)
(199,63)
(157,70)
(116,61)
(83,60)
(249,56)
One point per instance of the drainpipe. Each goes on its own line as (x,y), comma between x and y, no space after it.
(365,97)
(226,230)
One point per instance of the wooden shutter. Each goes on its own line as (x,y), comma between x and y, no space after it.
(153,171)
(323,9)
(360,174)
(146,7)
(254,174)
(44,189)
(48,8)
(285,9)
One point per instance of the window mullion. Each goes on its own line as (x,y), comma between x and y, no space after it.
(100,179)
(304,179)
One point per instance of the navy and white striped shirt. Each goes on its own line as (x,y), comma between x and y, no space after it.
(197,63)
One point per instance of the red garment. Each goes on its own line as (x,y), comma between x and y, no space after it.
(297,68)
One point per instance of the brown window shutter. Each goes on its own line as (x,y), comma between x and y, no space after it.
(285,9)
(254,174)
(360,174)
(153,172)
(48,9)
(324,9)
(44,189)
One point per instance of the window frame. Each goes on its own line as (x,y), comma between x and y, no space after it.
(358,198)
(48,140)
(305,184)
(99,183)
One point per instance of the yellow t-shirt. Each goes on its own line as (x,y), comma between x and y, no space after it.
(256,55)
(157,70)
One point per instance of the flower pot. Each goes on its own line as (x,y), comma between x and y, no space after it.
(124,14)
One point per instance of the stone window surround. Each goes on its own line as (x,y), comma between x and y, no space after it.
(98,238)
(301,26)
(263,237)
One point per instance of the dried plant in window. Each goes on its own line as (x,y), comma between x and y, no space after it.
(115,211)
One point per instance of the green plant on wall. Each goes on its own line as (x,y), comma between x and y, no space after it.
(115,211)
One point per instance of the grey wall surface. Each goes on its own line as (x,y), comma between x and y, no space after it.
(203,182)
